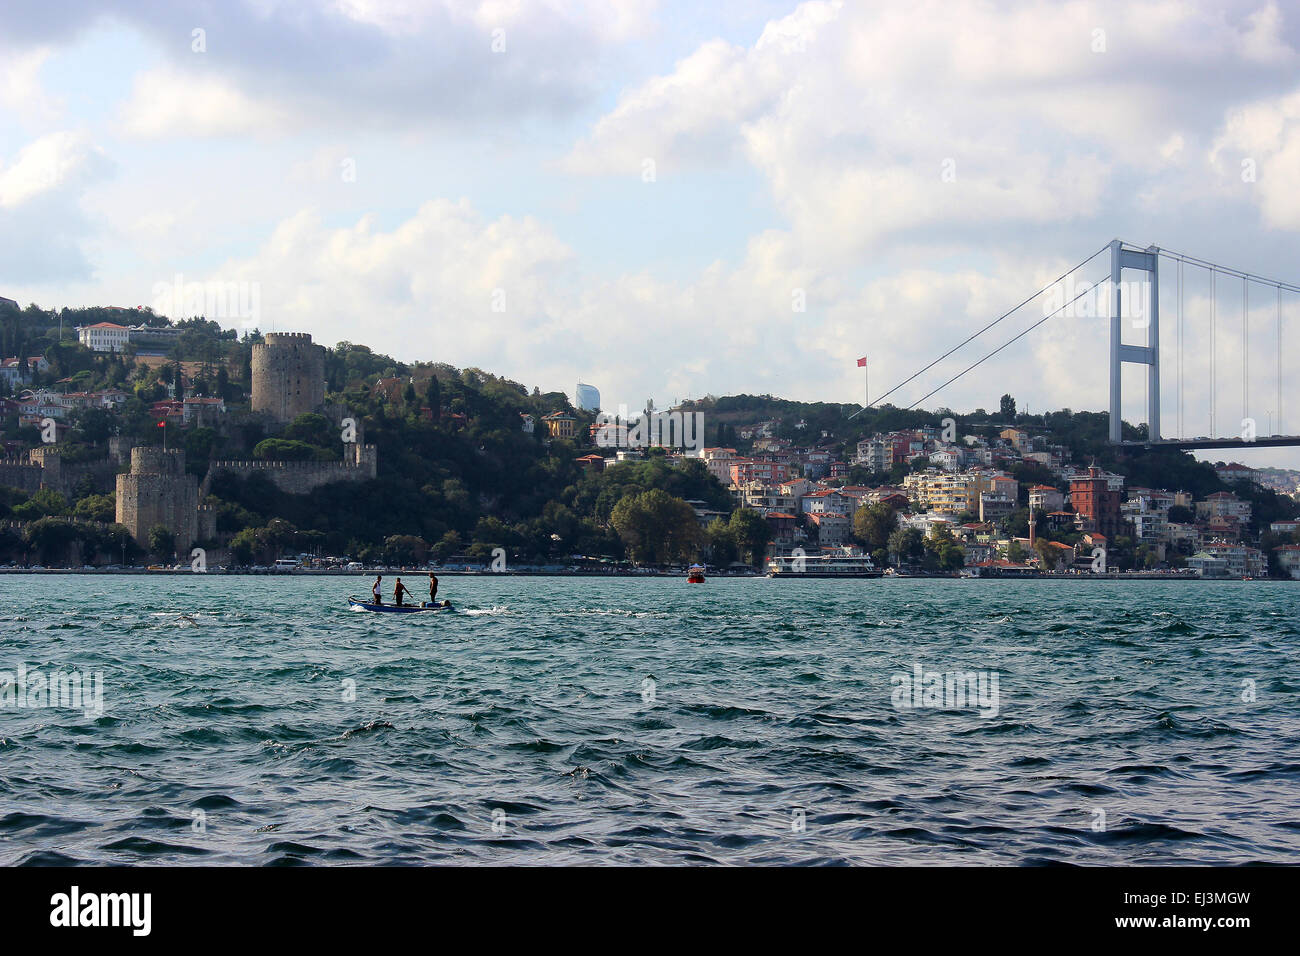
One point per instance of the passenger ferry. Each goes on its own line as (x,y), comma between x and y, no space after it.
(840,563)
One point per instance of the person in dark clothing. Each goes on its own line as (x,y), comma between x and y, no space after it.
(400,591)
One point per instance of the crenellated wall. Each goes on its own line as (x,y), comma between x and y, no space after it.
(20,473)
(43,467)
(301,477)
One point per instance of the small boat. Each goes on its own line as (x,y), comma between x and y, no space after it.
(355,605)
(695,574)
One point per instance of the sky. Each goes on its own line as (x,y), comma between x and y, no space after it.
(674,200)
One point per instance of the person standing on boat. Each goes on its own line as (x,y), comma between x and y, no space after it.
(375,590)
(400,590)
(433,589)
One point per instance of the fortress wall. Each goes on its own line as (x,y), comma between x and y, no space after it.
(102,476)
(302,477)
(20,474)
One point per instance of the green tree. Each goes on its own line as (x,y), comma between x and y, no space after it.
(942,551)
(44,502)
(433,397)
(907,545)
(405,550)
(50,539)
(1007,409)
(873,524)
(162,543)
(656,527)
(446,547)
(752,534)
(1048,556)
(313,429)
(96,508)
(722,544)
(280,449)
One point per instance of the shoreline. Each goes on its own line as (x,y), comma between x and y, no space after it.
(521,573)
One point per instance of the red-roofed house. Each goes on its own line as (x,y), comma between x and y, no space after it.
(783,528)
(104,336)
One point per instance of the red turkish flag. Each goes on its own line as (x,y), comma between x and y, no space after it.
(862,362)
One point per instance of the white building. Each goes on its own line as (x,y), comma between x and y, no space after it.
(1288,556)
(13,373)
(1045,499)
(1224,504)
(104,336)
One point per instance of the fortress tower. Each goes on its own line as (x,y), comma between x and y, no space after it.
(157,491)
(288,375)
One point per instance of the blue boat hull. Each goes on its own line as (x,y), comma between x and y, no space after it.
(356,605)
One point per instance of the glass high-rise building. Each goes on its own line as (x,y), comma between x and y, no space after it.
(586,398)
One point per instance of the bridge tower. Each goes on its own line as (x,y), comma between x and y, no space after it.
(1147,261)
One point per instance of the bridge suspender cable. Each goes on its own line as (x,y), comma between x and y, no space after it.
(989,326)
(1087,289)
(1180,349)
(1214,339)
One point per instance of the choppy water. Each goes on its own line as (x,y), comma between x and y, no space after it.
(226,737)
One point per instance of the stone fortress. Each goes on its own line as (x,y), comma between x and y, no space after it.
(44,467)
(288,376)
(158,491)
(288,380)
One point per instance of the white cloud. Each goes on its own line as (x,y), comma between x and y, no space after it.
(271,67)
(870,123)
(1258,152)
(169,103)
(21,91)
(53,162)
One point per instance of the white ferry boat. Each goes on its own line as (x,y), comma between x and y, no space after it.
(841,563)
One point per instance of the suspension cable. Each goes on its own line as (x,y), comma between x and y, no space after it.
(1227,270)
(990,325)
(1020,335)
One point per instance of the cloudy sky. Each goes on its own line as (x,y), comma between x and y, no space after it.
(670,200)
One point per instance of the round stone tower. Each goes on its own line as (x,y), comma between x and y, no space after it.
(288,375)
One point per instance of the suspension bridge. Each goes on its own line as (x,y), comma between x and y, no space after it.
(1203,333)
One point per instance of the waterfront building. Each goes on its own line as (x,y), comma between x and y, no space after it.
(1096,502)
(1288,557)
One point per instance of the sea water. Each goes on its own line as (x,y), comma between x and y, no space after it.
(256,720)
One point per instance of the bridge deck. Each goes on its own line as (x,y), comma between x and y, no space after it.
(1188,444)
